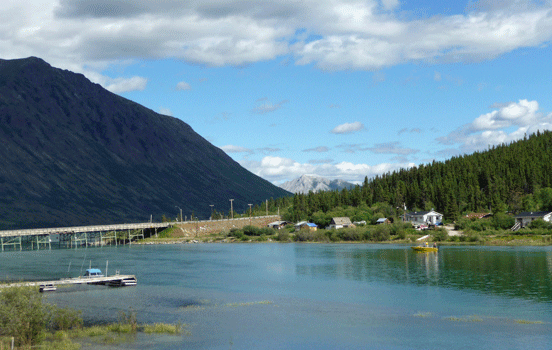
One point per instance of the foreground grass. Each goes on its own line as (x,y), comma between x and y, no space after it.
(115,333)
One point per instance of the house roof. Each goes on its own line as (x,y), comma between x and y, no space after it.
(310,224)
(382,220)
(533,214)
(277,223)
(422,212)
(341,221)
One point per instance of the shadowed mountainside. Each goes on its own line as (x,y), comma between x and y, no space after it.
(74,153)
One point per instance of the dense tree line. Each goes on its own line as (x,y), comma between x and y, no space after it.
(511,177)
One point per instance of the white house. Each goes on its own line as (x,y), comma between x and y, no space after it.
(525,218)
(424,217)
(340,222)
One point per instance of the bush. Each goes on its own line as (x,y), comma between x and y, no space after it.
(540,224)
(380,233)
(22,315)
(440,235)
(283,236)
(66,319)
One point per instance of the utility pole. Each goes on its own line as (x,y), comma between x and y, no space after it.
(266,201)
(211,205)
(231,209)
(176,206)
(250,214)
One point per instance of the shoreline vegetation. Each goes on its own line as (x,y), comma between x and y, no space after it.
(27,322)
(464,232)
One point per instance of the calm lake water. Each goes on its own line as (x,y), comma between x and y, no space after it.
(313,296)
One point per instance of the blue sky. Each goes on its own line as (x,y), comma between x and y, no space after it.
(341,89)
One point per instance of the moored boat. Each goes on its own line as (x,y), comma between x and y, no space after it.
(47,288)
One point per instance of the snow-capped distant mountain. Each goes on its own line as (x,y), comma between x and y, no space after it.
(314,183)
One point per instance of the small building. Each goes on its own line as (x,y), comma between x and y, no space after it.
(278,224)
(341,222)
(525,218)
(382,221)
(304,225)
(424,217)
(359,223)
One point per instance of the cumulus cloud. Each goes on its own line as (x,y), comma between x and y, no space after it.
(181,86)
(120,85)
(277,169)
(347,128)
(235,149)
(319,149)
(392,148)
(333,35)
(165,111)
(496,127)
(412,131)
(266,106)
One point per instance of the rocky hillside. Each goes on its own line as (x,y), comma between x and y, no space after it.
(74,153)
(307,183)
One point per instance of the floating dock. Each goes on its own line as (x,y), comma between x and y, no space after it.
(113,281)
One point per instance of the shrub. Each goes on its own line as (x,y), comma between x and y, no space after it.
(22,315)
(283,236)
(440,235)
(66,319)
(380,233)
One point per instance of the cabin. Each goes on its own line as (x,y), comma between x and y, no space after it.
(93,273)
(424,217)
(341,222)
(525,218)
(303,225)
(278,224)
(383,221)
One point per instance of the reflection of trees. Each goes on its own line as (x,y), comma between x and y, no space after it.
(517,272)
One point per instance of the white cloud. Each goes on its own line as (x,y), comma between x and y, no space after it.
(495,127)
(319,149)
(347,128)
(165,111)
(120,85)
(266,106)
(235,149)
(277,169)
(183,86)
(353,34)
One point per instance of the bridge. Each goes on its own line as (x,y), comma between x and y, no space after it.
(75,236)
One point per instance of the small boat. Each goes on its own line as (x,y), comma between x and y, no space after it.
(425,249)
(93,273)
(125,282)
(47,288)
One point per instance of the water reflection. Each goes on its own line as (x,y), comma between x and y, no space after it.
(515,272)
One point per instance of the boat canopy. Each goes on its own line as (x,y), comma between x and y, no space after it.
(93,272)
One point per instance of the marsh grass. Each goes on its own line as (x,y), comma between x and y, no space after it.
(473,318)
(423,314)
(263,302)
(164,328)
(529,322)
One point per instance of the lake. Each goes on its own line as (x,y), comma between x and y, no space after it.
(315,296)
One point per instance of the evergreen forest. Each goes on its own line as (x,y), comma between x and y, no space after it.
(508,178)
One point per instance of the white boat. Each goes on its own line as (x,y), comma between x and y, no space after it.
(47,288)
(125,282)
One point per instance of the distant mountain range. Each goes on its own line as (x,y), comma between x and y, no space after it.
(314,183)
(74,153)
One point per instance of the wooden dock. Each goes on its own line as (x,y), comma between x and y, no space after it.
(114,280)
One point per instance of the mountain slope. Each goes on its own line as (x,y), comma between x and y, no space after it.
(74,153)
(306,183)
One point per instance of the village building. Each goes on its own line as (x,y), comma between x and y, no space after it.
(424,217)
(278,224)
(382,221)
(525,218)
(340,222)
(304,225)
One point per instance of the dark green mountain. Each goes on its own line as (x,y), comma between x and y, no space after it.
(74,153)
